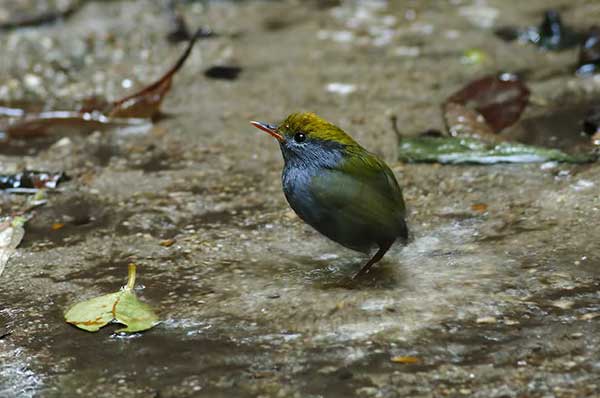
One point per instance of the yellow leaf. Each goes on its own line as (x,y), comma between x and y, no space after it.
(121,307)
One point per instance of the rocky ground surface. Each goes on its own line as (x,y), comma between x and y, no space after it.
(496,295)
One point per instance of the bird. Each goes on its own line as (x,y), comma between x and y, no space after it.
(338,187)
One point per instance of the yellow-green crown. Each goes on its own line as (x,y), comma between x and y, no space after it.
(314,127)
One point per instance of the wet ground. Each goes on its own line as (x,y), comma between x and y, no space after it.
(497,294)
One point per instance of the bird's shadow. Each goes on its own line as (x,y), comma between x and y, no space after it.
(384,275)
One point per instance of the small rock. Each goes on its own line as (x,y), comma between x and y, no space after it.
(340,88)
(570,364)
(32,81)
(63,142)
(327,370)
(563,304)
(486,319)
(366,391)
(589,316)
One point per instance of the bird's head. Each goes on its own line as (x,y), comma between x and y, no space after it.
(306,138)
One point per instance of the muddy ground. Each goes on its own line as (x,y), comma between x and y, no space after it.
(497,294)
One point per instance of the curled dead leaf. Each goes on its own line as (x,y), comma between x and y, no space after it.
(94,113)
(500,100)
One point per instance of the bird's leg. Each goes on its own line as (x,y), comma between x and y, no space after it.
(378,256)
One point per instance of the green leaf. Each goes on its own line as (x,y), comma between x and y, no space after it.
(136,315)
(121,307)
(456,150)
(94,313)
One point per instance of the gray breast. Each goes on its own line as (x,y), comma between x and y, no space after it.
(302,163)
(297,192)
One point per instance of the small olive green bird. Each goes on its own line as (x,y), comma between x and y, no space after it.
(339,188)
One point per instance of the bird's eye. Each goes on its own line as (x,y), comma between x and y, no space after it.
(300,137)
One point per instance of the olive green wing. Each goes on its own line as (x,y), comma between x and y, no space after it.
(373,172)
(361,190)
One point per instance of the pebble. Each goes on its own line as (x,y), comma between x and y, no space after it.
(340,88)
(563,304)
(486,319)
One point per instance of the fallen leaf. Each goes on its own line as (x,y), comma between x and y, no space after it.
(121,307)
(95,113)
(56,226)
(454,150)
(479,207)
(64,122)
(464,122)
(145,103)
(500,100)
(167,242)
(405,359)
(11,234)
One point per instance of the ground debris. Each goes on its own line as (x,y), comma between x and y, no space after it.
(499,100)
(589,53)
(456,150)
(178,27)
(551,34)
(474,115)
(167,242)
(405,359)
(94,113)
(29,181)
(11,234)
(120,307)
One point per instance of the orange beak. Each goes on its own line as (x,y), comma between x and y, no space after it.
(267,128)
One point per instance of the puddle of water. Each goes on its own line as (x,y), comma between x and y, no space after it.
(16,376)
